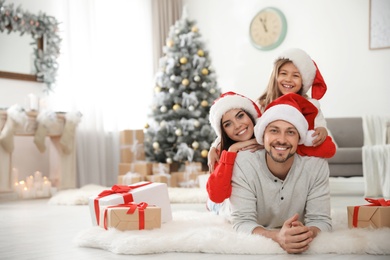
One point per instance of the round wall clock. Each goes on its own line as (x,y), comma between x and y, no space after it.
(268,29)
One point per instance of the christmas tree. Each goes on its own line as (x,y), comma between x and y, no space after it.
(178,129)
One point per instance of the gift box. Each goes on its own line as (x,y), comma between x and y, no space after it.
(374,215)
(131,136)
(142,167)
(129,155)
(130,178)
(187,179)
(131,216)
(193,166)
(164,178)
(149,192)
(159,168)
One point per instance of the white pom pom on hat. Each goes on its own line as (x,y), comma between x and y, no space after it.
(292,108)
(227,101)
(311,76)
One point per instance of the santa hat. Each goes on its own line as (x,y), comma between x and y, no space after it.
(311,76)
(292,108)
(227,101)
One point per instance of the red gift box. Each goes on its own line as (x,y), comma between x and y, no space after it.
(374,215)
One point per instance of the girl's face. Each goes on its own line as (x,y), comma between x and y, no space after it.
(237,125)
(289,79)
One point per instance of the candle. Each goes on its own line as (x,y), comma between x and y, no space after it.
(38,176)
(46,188)
(26,193)
(33,102)
(30,181)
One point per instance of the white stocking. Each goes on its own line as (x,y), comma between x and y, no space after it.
(68,135)
(45,119)
(15,116)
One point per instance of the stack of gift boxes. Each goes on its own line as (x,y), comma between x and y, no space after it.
(140,198)
(143,205)
(133,166)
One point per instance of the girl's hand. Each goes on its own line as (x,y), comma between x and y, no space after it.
(321,134)
(250,145)
(212,158)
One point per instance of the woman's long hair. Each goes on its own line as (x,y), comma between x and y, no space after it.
(226,142)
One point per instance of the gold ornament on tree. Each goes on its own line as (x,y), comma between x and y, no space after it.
(185,82)
(170,43)
(195,145)
(205,71)
(204,103)
(200,53)
(176,107)
(146,126)
(204,153)
(169,160)
(194,29)
(183,60)
(157,89)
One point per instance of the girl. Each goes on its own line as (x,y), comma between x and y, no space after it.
(295,72)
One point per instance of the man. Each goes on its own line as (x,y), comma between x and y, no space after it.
(277,193)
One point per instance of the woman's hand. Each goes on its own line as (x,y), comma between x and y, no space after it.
(212,158)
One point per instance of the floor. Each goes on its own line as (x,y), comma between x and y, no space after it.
(32,229)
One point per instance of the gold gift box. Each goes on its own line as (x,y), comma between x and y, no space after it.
(370,216)
(130,136)
(170,180)
(128,156)
(130,179)
(119,218)
(142,167)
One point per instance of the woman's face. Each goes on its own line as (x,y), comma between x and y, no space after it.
(289,79)
(237,125)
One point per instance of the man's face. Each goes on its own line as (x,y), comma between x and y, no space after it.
(281,140)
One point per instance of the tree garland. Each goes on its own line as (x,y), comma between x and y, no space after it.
(41,25)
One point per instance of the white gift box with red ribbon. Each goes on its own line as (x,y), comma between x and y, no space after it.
(149,192)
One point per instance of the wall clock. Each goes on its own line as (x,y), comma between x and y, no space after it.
(268,29)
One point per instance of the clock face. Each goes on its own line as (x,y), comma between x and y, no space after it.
(268,29)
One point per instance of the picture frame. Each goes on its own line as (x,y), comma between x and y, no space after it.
(379,24)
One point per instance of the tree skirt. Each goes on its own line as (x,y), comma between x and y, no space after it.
(80,196)
(204,232)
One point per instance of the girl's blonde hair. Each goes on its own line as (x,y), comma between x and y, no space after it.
(272,91)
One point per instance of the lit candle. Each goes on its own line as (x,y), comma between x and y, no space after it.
(38,176)
(30,181)
(26,193)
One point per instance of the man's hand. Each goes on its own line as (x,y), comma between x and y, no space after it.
(294,237)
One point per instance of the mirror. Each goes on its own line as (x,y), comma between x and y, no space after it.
(37,61)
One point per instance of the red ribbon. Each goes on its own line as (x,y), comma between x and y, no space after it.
(373,202)
(116,189)
(132,208)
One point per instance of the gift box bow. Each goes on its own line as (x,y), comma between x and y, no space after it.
(117,189)
(373,202)
(132,208)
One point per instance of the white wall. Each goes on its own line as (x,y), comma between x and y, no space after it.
(335,33)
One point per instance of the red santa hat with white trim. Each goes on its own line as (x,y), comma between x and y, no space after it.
(227,101)
(292,108)
(311,76)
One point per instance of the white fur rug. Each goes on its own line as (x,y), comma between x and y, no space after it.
(80,196)
(204,232)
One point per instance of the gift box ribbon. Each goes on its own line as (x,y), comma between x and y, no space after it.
(117,189)
(132,208)
(373,202)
